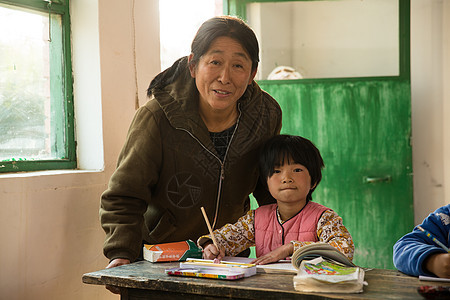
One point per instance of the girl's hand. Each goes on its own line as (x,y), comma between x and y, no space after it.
(280,253)
(211,252)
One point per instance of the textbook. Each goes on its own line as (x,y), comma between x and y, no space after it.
(321,276)
(324,250)
(176,251)
(225,266)
(206,273)
(323,268)
(280,267)
(213,269)
(307,252)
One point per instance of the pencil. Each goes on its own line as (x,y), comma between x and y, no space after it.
(431,237)
(209,228)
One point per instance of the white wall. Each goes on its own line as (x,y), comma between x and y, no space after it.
(446,96)
(430,79)
(50,230)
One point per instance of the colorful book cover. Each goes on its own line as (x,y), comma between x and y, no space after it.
(176,251)
(206,273)
(327,268)
(319,275)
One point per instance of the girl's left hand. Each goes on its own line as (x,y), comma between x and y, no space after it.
(280,253)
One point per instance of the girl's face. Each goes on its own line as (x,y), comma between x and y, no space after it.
(222,75)
(290,183)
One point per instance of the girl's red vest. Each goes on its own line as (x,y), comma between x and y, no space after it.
(270,234)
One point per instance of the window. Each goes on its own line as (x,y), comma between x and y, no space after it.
(36,107)
(179,22)
(326,39)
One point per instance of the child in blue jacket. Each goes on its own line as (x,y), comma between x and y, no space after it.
(416,254)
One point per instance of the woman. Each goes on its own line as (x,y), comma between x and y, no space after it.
(193,144)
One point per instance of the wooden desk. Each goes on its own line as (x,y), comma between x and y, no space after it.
(145,280)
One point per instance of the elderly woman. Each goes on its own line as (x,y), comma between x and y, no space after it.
(193,144)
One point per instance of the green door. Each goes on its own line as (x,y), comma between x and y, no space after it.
(362,126)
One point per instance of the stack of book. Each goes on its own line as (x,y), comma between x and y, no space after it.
(212,269)
(322,268)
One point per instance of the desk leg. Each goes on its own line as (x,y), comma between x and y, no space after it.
(124,294)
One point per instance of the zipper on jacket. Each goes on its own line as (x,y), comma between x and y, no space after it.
(277,215)
(222,167)
(222,164)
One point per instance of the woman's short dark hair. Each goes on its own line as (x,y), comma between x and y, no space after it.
(295,149)
(228,26)
(209,31)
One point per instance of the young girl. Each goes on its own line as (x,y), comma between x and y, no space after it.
(291,167)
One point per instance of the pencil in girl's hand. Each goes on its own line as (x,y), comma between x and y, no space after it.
(209,227)
(435,240)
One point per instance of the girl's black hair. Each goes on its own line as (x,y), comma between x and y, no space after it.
(295,149)
(210,30)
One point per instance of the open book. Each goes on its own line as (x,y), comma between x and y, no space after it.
(292,266)
(324,250)
(281,267)
(322,268)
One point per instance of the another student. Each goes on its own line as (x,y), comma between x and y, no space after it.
(291,168)
(416,254)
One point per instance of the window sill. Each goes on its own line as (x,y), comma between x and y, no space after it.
(46,173)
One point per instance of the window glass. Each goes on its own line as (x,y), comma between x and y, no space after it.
(179,22)
(25,85)
(34,108)
(326,39)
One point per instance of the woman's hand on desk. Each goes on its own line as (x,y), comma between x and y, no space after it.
(118,262)
(115,263)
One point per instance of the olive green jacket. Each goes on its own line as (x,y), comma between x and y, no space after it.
(169,168)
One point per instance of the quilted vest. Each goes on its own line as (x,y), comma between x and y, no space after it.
(270,234)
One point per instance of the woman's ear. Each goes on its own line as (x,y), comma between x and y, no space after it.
(252,75)
(191,65)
